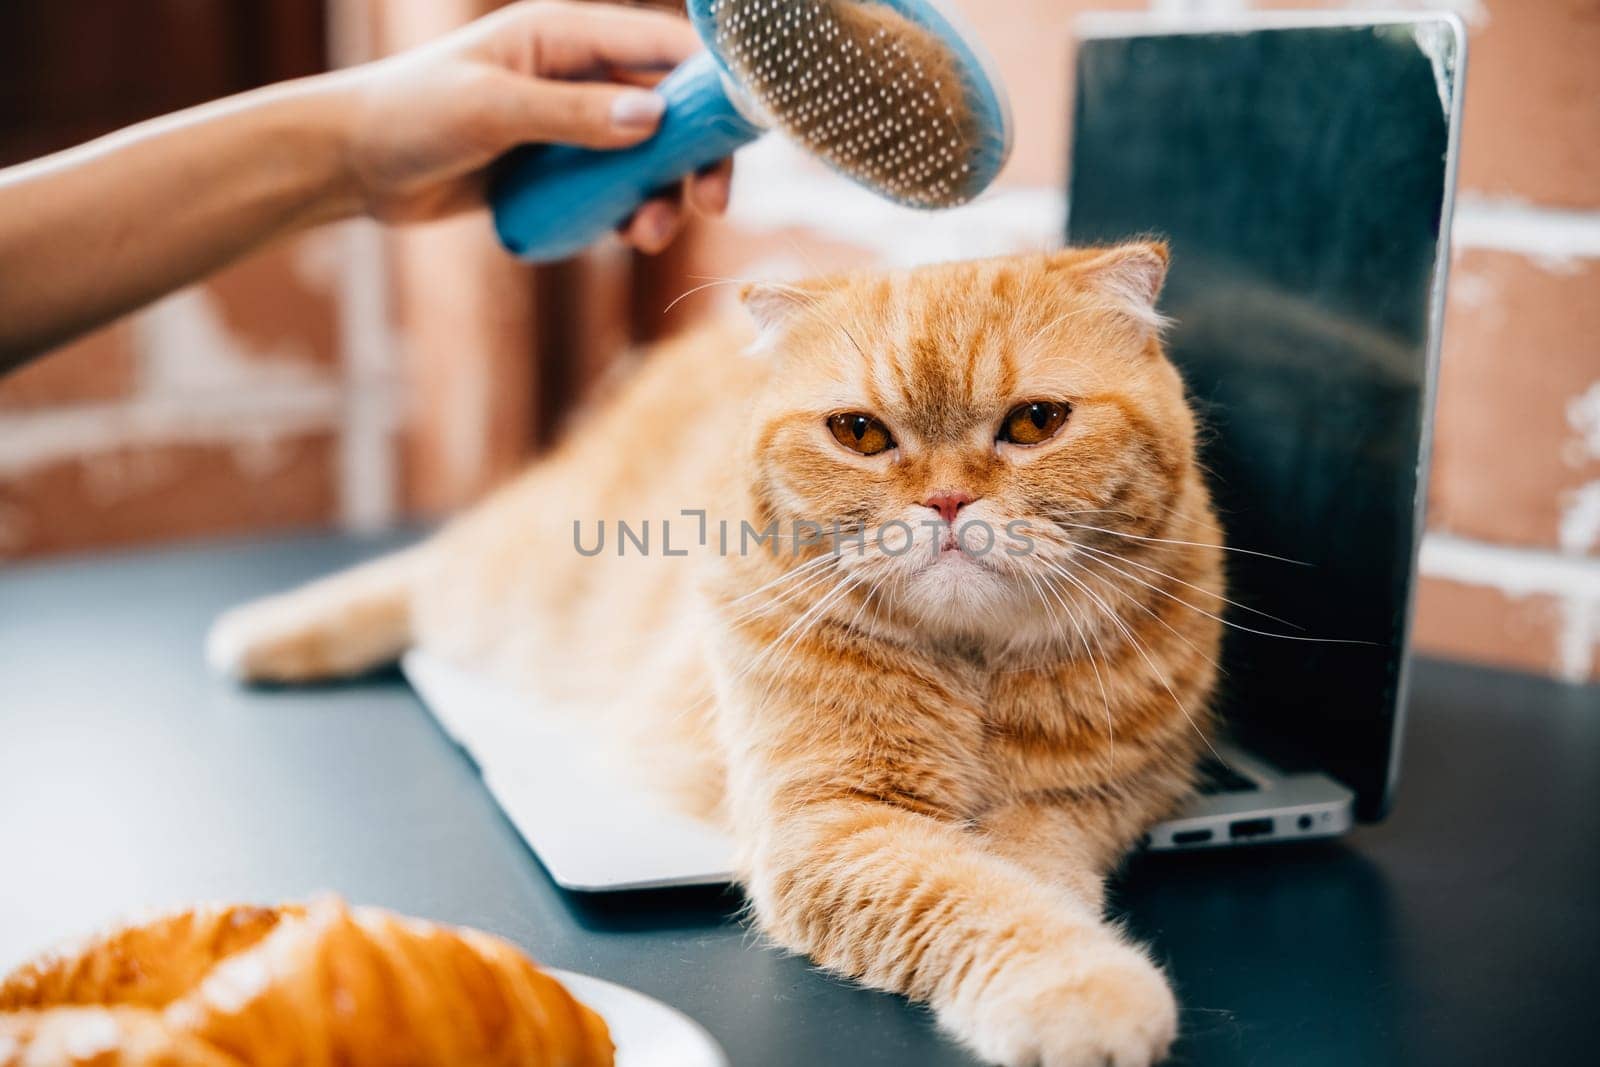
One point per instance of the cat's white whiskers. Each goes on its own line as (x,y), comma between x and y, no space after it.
(791,572)
(1189,544)
(766,606)
(799,629)
(1169,510)
(1111,734)
(1070,544)
(711,281)
(1225,622)
(810,568)
(1148,610)
(879,598)
(845,583)
(810,584)
(814,575)
(1134,643)
(712,284)
(809,300)
(1158,572)
(869,598)
(816,582)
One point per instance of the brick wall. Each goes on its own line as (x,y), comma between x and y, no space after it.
(219,410)
(1513,571)
(350,377)
(1512,564)
(223,409)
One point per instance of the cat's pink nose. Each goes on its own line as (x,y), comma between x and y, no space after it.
(947,504)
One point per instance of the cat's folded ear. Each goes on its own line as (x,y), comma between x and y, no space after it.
(773,306)
(771,303)
(1128,277)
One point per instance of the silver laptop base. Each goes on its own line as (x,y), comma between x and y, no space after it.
(1282,807)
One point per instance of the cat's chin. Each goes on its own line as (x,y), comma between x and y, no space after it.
(957,593)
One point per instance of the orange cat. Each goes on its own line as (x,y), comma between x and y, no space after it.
(925,617)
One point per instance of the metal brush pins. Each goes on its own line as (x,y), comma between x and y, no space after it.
(887,92)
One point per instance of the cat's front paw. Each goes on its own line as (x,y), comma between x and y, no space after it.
(1115,1010)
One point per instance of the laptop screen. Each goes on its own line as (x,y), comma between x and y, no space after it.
(1300,175)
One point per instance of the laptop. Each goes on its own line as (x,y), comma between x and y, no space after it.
(1303,172)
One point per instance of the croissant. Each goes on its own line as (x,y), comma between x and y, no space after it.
(320,985)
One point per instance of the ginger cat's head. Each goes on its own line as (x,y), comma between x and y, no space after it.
(1026,398)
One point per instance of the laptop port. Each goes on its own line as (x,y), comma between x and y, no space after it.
(1191,837)
(1249,828)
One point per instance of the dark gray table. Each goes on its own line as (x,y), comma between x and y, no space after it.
(1462,931)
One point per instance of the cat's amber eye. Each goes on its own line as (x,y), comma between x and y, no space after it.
(1034,422)
(860,433)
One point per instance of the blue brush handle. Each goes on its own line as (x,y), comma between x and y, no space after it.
(550,201)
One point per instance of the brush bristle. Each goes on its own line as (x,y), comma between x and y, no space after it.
(873,93)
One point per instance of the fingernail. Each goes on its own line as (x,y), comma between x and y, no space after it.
(636,108)
(660,226)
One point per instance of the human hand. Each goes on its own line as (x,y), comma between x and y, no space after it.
(422,127)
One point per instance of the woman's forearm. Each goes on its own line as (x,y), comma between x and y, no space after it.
(95,231)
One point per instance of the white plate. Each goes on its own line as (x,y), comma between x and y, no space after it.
(647,1032)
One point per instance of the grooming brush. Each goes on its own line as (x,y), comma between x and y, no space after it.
(889,93)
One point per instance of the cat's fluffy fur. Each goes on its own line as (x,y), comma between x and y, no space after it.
(930,760)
